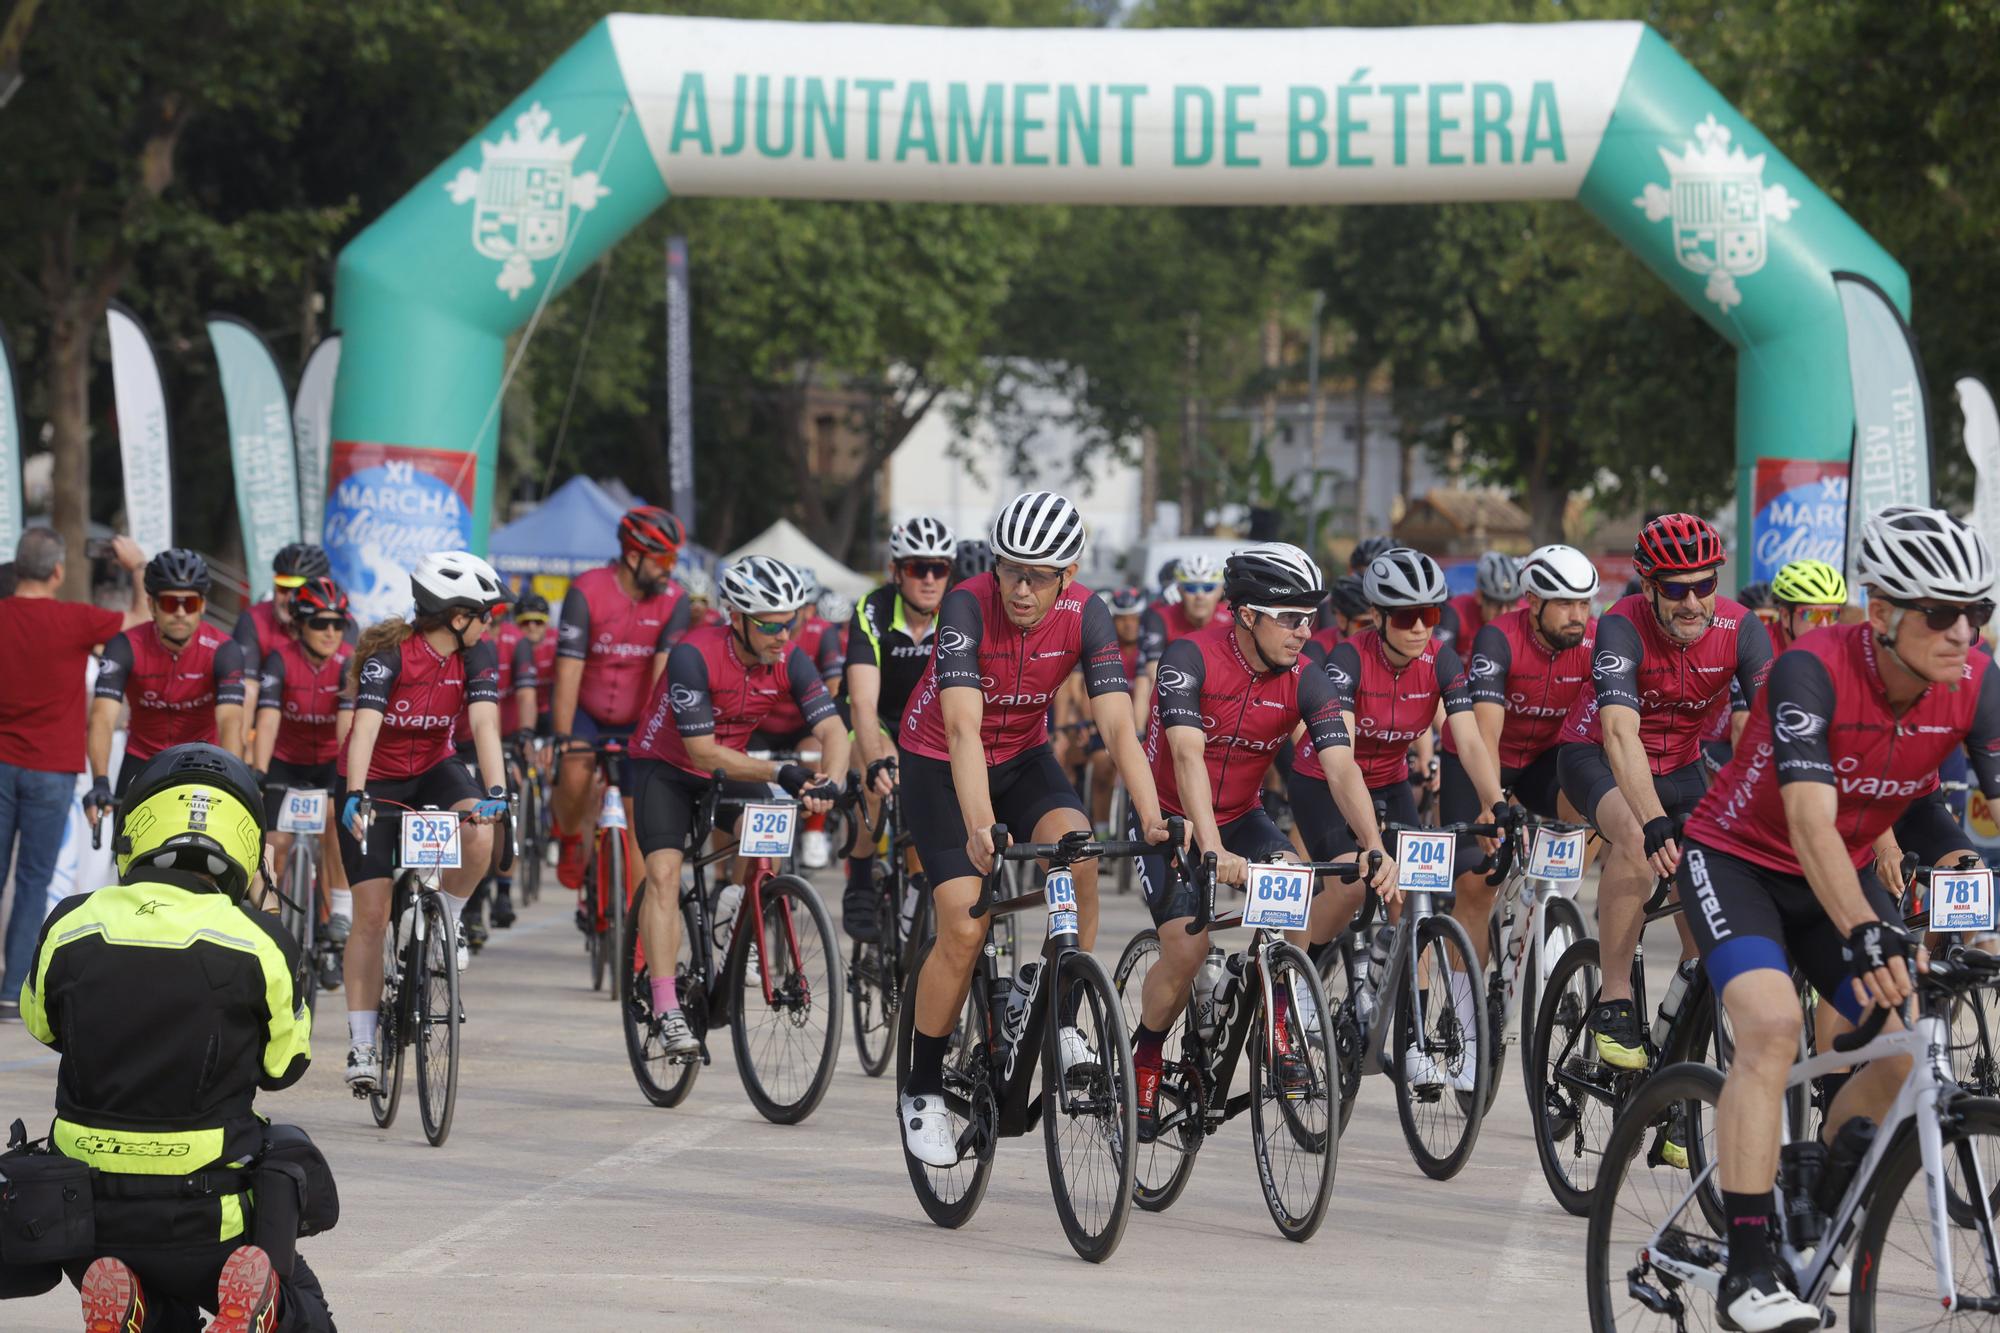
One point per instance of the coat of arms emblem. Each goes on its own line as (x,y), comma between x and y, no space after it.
(521,196)
(1721,210)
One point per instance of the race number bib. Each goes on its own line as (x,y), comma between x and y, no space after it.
(1277,897)
(302,811)
(1962,900)
(1062,902)
(613,813)
(767,830)
(430,840)
(1423,861)
(1557,856)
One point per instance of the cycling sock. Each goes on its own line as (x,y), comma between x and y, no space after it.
(1749,1230)
(1461,1000)
(454,907)
(665,995)
(1146,1045)
(341,902)
(361,1026)
(926,1065)
(505,884)
(859,868)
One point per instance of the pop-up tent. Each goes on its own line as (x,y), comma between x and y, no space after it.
(575,529)
(784,541)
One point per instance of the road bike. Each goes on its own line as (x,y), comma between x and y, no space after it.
(1535,922)
(604,900)
(878,969)
(530,830)
(302,901)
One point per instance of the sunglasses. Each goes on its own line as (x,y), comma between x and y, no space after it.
(1942,618)
(1680,592)
(1200,589)
(926,569)
(180,603)
(1010,573)
(1820,616)
(1290,621)
(531,619)
(326,622)
(291,582)
(1409,617)
(775,627)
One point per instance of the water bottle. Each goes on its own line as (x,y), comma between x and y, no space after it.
(1018,998)
(1804,1168)
(1670,1007)
(912,895)
(726,904)
(1206,981)
(1368,997)
(1843,1159)
(1229,989)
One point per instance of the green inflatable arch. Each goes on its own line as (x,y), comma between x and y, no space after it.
(644,107)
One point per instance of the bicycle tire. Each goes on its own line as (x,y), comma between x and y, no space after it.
(618,887)
(950,1195)
(1557,937)
(1162,1168)
(664,1082)
(1568,1121)
(528,873)
(872,984)
(301,901)
(1105,1098)
(1290,1118)
(1443,1154)
(390,1037)
(438,1020)
(1969,1120)
(1340,971)
(807,988)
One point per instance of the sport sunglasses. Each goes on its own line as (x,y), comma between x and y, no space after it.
(926,569)
(1680,592)
(1409,617)
(775,627)
(1942,618)
(180,603)
(1200,589)
(327,622)
(1288,618)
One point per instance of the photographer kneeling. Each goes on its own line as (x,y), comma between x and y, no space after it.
(171,1004)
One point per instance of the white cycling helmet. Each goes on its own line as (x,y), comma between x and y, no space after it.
(833,608)
(696,582)
(1198,568)
(920,538)
(809,581)
(1498,577)
(1403,577)
(1039,528)
(1908,552)
(761,585)
(446,581)
(1559,573)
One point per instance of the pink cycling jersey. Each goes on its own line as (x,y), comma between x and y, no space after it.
(615,636)
(1509,665)
(173,695)
(306,696)
(707,690)
(420,693)
(1392,705)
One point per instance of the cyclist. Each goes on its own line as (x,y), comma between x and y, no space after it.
(970,560)
(1365,551)
(409,680)
(702,609)
(976,753)
(1391,684)
(514,686)
(1230,695)
(1345,613)
(1170,593)
(1806,595)
(1127,607)
(888,646)
(617,624)
(1197,583)
(1496,591)
(784,728)
(531,614)
(300,725)
(1631,756)
(719,683)
(182,677)
(264,625)
(1853,721)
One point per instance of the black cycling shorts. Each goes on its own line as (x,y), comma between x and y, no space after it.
(1586,779)
(789,743)
(1022,790)
(1324,828)
(1251,835)
(443,785)
(584,727)
(1746,917)
(665,801)
(282,777)
(1534,786)
(1929,829)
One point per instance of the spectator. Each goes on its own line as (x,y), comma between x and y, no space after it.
(44,647)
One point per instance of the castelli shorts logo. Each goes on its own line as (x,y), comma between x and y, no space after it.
(1793,724)
(1720,208)
(521,196)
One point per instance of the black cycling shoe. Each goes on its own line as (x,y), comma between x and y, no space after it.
(475,935)
(857,912)
(502,913)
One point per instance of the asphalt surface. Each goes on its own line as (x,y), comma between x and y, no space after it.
(563,1200)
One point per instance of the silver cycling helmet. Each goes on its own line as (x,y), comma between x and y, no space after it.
(922,537)
(1403,577)
(1498,577)
(1909,552)
(1197,568)
(1559,573)
(834,608)
(1039,528)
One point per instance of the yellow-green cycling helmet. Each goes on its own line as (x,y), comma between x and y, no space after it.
(1809,583)
(193,807)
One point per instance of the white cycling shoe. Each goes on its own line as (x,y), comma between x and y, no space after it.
(1466,1077)
(927,1132)
(1419,1070)
(364,1066)
(1761,1303)
(1075,1049)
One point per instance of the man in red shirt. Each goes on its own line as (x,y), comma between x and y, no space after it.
(45,645)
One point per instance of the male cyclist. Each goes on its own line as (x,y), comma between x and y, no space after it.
(1631,759)
(531,615)
(976,753)
(266,624)
(785,730)
(514,683)
(888,645)
(720,682)
(1496,591)
(1127,605)
(1806,595)
(1197,583)
(1230,695)
(1779,868)
(1344,614)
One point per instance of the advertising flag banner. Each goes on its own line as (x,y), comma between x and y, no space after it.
(1801,514)
(312,432)
(144,443)
(391,505)
(260,446)
(12,433)
(680,386)
(1892,439)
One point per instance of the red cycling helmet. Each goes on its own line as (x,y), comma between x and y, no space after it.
(652,530)
(320,597)
(1676,544)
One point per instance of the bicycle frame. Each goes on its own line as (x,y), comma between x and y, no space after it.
(1515,948)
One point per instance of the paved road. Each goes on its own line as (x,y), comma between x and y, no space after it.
(563,1200)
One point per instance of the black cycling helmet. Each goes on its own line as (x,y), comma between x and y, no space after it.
(194,807)
(972,559)
(177,569)
(301,560)
(1365,551)
(532,604)
(1272,574)
(1754,596)
(1127,601)
(1349,598)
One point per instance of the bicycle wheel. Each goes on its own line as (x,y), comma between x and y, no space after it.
(950,1195)
(390,1034)
(1573,1097)
(1163,1166)
(1975,1014)
(1562,926)
(664,1081)
(1089,1115)
(785,1045)
(872,984)
(592,914)
(299,910)
(1440,1123)
(437,1020)
(1294,1118)
(1645,1211)
(1894,1262)
(618,885)
(1340,967)
(528,870)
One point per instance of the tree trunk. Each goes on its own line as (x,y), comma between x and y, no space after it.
(1361,532)
(1547,495)
(67,370)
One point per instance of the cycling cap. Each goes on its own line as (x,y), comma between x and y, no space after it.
(651,529)
(1559,573)
(1039,528)
(972,559)
(761,585)
(1498,577)
(1676,544)
(919,538)
(1197,569)
(319,597)
(1911,552)
(446,581)
(301,560)
(1810,583)
(1127,601)
(177,569)
(1273,574)
(1365,552)
(531,604)
(1349,598)
(1402,577)
(193,807)
(1755,596)
(833,608)
(700,587)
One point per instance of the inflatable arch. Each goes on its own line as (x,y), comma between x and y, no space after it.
(641,108)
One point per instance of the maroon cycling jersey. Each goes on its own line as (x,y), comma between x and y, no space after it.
(258,632)
(1823,717)
(420,693)
(1326,638)
(514,670)
(545,669)
(1243,714)
(706,690)
(1511,666)
(615,637)
(1392,705)
(820,642)
(1162,623)
(1016,671)
(173,695)
(1460,621)
(1675,688)
(306,696)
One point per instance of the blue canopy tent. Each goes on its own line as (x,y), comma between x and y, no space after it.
(574,530)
